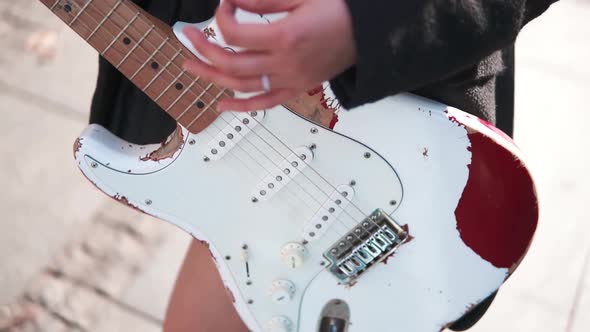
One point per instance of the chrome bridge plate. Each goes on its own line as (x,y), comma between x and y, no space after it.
(370,242)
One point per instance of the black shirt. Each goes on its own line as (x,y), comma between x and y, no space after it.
(459,52)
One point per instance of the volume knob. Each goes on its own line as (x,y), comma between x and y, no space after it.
(293,254)
(282,291)
(279,324)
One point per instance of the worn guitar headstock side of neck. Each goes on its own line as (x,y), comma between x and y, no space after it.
(147,52)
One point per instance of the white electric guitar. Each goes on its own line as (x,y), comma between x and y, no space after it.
(400,215)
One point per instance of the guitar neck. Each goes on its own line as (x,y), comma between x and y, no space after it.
(146,51)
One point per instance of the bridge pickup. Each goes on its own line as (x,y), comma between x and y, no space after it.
(328,213)
(282,174)
(368,243)
(232,133)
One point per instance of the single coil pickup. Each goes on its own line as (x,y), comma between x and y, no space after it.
(328,213)
(367,244)
(282,174)
(232,134)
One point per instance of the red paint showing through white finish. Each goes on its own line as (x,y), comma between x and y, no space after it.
(497,179)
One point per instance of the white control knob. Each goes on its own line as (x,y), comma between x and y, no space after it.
(279,324)
(293,254)
(282,291)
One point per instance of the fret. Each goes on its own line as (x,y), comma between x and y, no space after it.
(164,69)
(120,34)
(54,5)
(136,45)
(80,12)
(150,58)
(196,100)
(170,85)
(107,16)
(206,108)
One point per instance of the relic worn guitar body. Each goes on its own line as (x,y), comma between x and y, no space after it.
(399,215)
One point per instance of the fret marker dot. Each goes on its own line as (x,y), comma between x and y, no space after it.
(179,86)
(200,104)
(155,65)
(126,41)
(68,8)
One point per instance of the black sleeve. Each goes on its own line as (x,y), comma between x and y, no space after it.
(403,45)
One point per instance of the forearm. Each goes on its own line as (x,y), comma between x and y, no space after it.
(405,45)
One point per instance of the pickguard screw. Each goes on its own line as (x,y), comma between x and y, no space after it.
(192,142)
(392,202)
(245,246)
(352,183)
(314,130)
(313,146)
(94,164)
(248,282)
(148,202)
(206,159)
(254,200)
(322,263)
(227,257)
(250,301)
(367,155)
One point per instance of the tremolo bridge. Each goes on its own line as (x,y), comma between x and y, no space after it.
(370,242)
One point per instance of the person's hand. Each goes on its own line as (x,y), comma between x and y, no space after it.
(311,45)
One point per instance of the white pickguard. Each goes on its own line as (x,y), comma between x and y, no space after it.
(430,281)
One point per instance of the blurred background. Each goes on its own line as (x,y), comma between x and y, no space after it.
(73,260)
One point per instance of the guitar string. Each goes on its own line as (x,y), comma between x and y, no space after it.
(312,209)
(311,168)
(354,220)
(344,210)
(329,198)
(289,189)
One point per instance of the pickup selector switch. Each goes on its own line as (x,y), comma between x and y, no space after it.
(282,291)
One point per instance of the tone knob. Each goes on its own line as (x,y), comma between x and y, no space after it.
(282,291)
(293,254)
(279,324)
